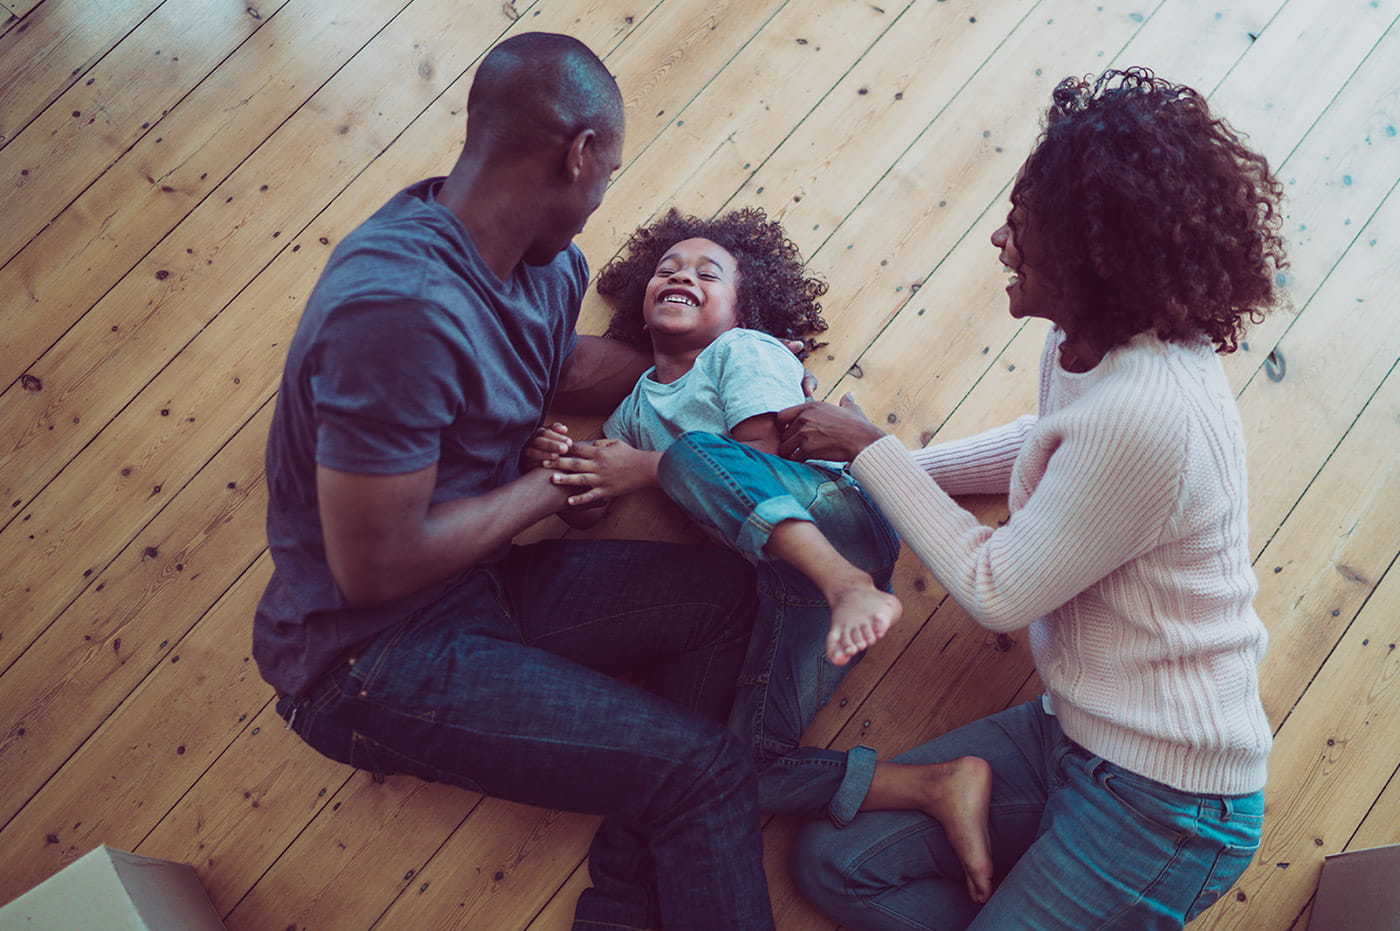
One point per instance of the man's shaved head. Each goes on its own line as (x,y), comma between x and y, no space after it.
(541,89)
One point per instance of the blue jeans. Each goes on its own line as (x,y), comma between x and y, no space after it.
(739,495)
(1079,843)
(507,687)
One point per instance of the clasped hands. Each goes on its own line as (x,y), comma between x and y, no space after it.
(607,468)
(604,469)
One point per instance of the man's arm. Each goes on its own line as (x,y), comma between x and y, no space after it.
(384,537)
(598,375)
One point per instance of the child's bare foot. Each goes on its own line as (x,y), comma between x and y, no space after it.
(860,615)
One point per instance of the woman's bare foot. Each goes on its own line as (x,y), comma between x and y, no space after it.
(860,615)
(960,797)
(958,794)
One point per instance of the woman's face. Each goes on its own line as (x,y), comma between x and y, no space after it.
(1029,292)
(693,295)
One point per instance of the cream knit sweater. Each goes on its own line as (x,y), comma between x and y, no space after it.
(1126,553)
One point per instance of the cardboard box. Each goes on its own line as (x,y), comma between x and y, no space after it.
(1359,891)
(112,890)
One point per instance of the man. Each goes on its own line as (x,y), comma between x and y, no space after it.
(403,630)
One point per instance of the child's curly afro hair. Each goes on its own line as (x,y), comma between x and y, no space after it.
(774,295)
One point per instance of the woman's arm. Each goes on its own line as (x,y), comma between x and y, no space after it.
(1097,506)
(977,465)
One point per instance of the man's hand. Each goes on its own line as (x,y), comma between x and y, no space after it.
(606,469)
(817,430)
(549,442)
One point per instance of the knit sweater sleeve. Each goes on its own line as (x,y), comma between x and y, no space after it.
(1103,488)
(976,465)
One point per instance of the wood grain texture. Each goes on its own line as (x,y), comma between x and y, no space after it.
(158,247)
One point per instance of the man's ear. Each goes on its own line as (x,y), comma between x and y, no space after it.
(580,147)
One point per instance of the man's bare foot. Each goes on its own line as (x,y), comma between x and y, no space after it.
(860,615)
(959,795)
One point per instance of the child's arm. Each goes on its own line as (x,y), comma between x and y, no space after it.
(548,443)
(760,431)
(607,469)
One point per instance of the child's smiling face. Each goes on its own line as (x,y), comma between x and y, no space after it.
(693,296)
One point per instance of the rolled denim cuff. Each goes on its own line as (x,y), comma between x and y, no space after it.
(860,770)
(758,527)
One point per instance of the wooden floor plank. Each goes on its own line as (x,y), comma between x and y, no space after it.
(803,49)
(1378,830)
(97,239)
(505,861)
(354,879)
(19,8)
(1292,426)
(49,51)
(1333,177)
(913,216)
(125,96)
(248,806)
(1325,560)
(1332,759)
(725,99)
(177,288)
(157,749)
(954,293)
(130,616)
(914,375)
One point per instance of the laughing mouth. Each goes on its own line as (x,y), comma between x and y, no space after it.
(677,297)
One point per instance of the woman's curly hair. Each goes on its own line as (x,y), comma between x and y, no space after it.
(1149,214)
(773,295)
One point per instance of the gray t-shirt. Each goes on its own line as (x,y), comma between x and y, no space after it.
(410,352)
(741,374)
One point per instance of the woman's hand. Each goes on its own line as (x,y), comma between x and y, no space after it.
(605,468)
(818,430)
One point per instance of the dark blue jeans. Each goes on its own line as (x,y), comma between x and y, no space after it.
(507,687)
(739,495)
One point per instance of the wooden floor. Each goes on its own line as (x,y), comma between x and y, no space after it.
(173,174)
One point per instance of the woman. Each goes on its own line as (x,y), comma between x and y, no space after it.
(1129,795)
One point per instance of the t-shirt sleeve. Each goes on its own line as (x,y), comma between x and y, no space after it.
(622,422)
(756,375)
(578,267)
(384,386)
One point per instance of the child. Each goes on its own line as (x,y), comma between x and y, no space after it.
(712,300)
(722,371)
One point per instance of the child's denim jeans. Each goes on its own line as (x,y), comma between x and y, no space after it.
(739,495)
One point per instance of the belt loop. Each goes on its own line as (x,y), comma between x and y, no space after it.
(1227,807)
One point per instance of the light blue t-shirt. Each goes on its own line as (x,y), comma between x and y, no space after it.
(741,374)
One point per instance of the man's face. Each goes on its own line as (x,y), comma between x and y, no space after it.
(599,160)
